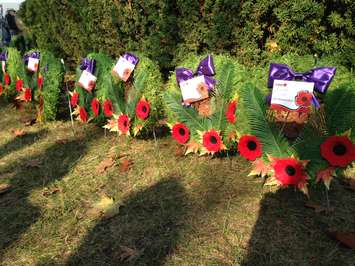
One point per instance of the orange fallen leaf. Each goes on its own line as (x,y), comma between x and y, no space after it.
(345,238)
(125,165)
(102,167)
(18,132)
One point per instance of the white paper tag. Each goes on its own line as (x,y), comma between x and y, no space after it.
(3,66)
(191,89)
(124,68)
(33,64)
(285,93)
(86,80)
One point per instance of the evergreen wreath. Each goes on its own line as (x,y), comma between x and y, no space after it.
(211,129)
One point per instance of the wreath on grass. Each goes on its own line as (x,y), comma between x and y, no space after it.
(124,107)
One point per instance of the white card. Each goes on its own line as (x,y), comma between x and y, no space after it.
(285,93)
(190,89)
(3,65)
(33,64)
(124,68)
(86,79)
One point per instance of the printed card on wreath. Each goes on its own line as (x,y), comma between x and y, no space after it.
(123,69)
(87,80)
(33,64)
(292,95)
(194,89)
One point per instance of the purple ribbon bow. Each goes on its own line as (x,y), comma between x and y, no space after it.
(321,77)
(36,55)
(205,68)
(3,56)
(131,58)
(88,65)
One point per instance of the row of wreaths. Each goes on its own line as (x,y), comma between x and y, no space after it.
(235,117)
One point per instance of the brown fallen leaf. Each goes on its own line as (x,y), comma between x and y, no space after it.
(125,165)
(317,207)
(128,254)
(4,188)
(179,151)
(47,192)
(345,238)
(18,132)
(33,164)
(102,167)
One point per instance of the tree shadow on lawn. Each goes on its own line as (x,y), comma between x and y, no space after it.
(19,143)
(287,233)
(17,213)
(146,229)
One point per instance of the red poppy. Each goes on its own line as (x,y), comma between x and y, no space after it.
(19,85)
(142,109)
(304,98)
(1,89)
(230,114)
(40,81)
(27,95)
(7,79)
(338,151)
(74,99)
(123,123)
(108,108)
(180,133)
(83,114)
(250,147)
(95,106)
(289,171)
(212,141)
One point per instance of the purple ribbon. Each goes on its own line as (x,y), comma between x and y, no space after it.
(321,77)
(131,58)
(3,56)
(205,68)
(35,55)
(88,65)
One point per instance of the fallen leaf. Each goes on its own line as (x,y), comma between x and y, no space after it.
(102,167)
(317,207)
(33,164)
(18,132)
(47,192)
(128,254)
(179,151)
(346,238)
(4,188)
(125,165)
(105,208)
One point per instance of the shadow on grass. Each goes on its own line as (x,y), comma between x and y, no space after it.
(17,213)
(145,231)
(287,233)
(21,142)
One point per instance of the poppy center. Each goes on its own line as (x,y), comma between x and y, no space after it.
(290,170)
(125,123)
(181,131)
(213,139)
(144,109)
(252,145)
(304,99)
(339,149)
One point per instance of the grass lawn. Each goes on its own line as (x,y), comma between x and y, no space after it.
(152,206)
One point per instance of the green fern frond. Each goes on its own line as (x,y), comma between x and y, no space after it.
(272,139)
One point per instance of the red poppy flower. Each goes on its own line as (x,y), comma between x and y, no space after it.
(27,95)
(123,123)
(180,133)
(304,98)
(19,85)
(230,114)
(249,147)
(142,109)
(7,79)
(40,81)
(212,141)
(108,108)
(1,89)
(83,114)
(338,151)
(74,99)
(289,171)
(95,106)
